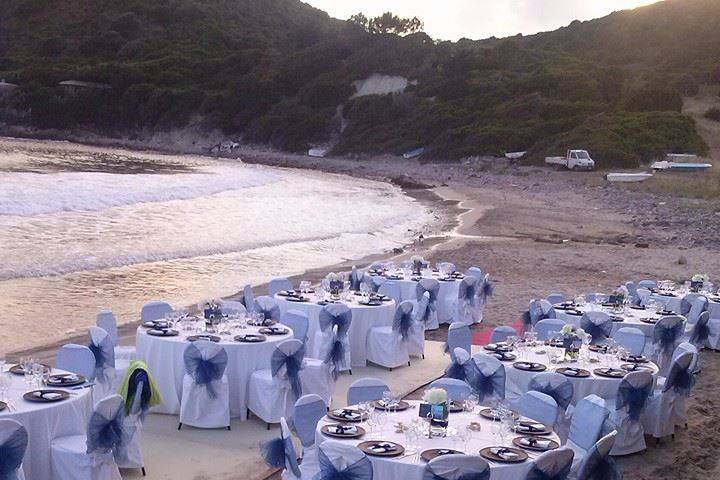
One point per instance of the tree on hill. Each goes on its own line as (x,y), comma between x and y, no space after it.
(388,23)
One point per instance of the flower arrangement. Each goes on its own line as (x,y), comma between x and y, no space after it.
(698,280)
(335,282)
(619,295)
(212,312)
(435,396)
(572,340)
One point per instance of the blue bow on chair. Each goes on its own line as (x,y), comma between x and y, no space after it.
(279,453)
(335,315)
(360,470)
(293,364)
(108,434)
(403,321)
(634,398)
(335,354)
(562,392)
(666,337)
(205,371)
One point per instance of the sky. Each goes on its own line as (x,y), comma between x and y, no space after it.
(477,19)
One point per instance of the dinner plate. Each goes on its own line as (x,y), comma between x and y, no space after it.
(528,427)
(573,372)
(490,415)
(610,372)
(168,332)
(65,380)
(274,331)
(530,366)
(46,396)
(250,338)
(635,359)
(209,338)
(337,415)
(371,448)
(636,367)
(433,453)
(19,370)
(534,444)
(399,407)
(492,453)
(331,431)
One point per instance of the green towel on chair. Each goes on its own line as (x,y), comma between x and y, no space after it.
(155,397)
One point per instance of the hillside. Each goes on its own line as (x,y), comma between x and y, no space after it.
(275,72)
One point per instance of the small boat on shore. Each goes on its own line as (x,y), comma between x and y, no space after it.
(414,153)
(680,166)
(627,177)
(514,155)
(317,152)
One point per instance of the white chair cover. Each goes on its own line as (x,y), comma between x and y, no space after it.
(392,290)
(489,383)
(13,444)
(70,457)
(537,406)
(205,405)
(76,359)
(667,335)
(366,390)
(339,460)
(277,284)
(104,351)
(308,411)
(547,325)
(107,321)
(230,307)
(500,334)
(385,346)
(597,464)
(555,298)
(552,465)
(586,425)
(155,310)
(299,323)
(658,419)
(631,338)
(630,403)
(459,336)
(457,467)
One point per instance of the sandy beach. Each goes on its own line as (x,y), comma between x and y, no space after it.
(537,232)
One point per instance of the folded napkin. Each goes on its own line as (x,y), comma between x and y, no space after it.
(346,413)
(532,365)
(505,453)
(573,371)
(383,447)
(612,371)
(444,451)
(47,395)
(67,377)
(532,426)
(344,429)
(535,443)
(385,404)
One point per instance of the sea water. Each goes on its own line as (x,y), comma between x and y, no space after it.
(83,229)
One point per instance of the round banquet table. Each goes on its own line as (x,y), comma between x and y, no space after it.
(412,467)
(631,318)
(364,317)
(517,381)
(164,357)
(446,296)
(46,421)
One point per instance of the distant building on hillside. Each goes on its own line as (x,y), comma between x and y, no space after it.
(6,88)
(73,86)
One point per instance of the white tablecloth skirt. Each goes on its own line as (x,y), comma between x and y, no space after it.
(674,304)
(363,319)
(164,357)
(45,422)
(631,320)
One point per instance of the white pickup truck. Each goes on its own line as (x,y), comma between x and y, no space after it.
(574,160)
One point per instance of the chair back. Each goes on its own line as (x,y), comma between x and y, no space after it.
(631,338)
(598,324)
(404,322)
(537,406)
(555,298)
(698,306)
(552,465)
(13,444)
(356,278)
(248,298)
(205,363)
(688,347)
(587,421)
(298,321)
(342,461)
(490,381)
(457,467)
(107,321)
(632,291)
(544,327)
(268,307)
(280,452)
(429,285)
(468,289)
(633,393)
(335,315)
(155,310)
(106,430)
(557,385)
(230,307)
(278,284)
(461,367)
(649,284)
(457,390)
(307,412)
(392,290)
(459,336)
(597,463)
(475,272)
(103,350)
(366,390)
(287,361)
(667,334)
(76,359)
(680,379)
(701,330)
(139,389)
(500,334)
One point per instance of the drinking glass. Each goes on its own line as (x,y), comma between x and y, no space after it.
(2,365)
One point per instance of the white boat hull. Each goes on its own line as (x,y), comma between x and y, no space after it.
(628,177)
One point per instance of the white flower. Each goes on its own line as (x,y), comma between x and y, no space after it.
(701,277)
(622,290)
(435,396)
(332,277)
(581,334)
(416,258)
(567,329)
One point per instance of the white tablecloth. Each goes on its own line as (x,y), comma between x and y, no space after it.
(631,318)
(517,381)
(364,317)
(46,421)
(411,467)
(164,357)
(446,296)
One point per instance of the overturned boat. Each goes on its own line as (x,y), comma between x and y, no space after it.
(628,177)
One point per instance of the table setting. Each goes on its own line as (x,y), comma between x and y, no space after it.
(248,339)
(399,443)
(48,402)
(670,294)
(593,369)
(369,310)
